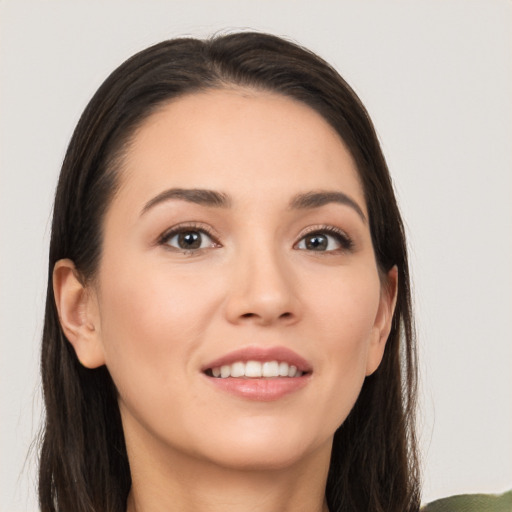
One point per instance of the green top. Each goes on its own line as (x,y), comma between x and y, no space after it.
(472,503)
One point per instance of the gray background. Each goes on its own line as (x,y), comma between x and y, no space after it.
(436,77)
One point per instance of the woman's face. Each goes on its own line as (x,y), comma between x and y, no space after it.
(239,233)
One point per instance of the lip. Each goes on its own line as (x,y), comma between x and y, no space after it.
(260,389)
(261,354)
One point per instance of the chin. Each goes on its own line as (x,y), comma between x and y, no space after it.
(260,450)
(253,460)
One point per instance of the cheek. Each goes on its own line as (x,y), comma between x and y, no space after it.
(153,305)
(344,305)
(151,322)
(345,314)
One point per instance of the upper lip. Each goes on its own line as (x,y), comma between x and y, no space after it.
(256,353)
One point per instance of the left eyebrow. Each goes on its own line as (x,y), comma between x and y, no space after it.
(192,195)
(316,199)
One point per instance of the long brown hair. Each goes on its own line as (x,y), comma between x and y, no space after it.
(83,460)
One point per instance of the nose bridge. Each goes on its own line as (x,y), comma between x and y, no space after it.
(262,286)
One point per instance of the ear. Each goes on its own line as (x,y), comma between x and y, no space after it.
(78,310)
(383,321)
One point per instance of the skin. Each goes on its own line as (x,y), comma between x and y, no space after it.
(156,315)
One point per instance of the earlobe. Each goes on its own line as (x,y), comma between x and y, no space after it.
(383,321)
(78,314)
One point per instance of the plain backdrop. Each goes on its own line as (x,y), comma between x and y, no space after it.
(436,77)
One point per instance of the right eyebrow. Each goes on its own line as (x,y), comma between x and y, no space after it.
(319,198)
(200,196)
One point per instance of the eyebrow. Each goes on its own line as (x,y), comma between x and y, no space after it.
(316,199)
(192,195)
(212,198)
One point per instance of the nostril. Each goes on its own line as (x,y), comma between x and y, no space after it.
(251,315)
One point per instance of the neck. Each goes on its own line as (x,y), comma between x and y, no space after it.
(172,481)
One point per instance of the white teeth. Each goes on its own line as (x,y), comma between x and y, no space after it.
(237,370)
(255,369)
(270,369)
(283,369)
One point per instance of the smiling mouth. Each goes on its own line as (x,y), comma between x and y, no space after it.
(255,370)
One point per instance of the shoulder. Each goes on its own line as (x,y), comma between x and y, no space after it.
(472,503)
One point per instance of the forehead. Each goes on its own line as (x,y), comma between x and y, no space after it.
(229,138)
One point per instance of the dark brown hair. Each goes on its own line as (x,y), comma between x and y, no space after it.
(83,460)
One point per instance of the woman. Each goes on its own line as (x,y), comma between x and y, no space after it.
(228,321)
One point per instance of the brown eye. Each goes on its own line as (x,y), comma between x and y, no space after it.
(328,240)
(316,242)
(189,240)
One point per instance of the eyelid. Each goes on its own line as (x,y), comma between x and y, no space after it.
(344,238)
(188,226)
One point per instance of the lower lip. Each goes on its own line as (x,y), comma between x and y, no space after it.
(262,389)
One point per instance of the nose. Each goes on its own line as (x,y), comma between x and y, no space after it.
(263,290)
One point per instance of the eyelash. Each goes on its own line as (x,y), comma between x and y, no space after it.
(185,228)
(341,237)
